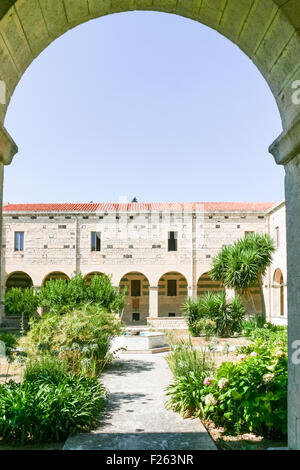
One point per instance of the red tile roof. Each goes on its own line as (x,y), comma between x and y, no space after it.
(140,207)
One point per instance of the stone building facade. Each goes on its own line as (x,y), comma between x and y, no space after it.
(160,251)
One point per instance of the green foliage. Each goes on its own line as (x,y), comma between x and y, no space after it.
(185,360)
(212,314)
(9,340)
(267,332)
(241,265)
(46,370)
(21,302)
(60,296)
(81,338)
(247,396)
(41,410)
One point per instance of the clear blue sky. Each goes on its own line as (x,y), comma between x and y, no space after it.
(143,104)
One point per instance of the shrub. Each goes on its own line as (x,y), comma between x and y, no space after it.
(60,296)
(249,395)
(226,316)
(21,302)
(80,337)
(268,333)
(46,370)
(38,410)
(9,340)
(184,360)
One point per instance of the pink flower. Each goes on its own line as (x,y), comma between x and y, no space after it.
(254,354)
(279,353)
(207,381)
(223,383)
(241,357)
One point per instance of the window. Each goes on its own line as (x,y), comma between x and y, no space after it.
(19,241)
(95,241)
(62,226)
(277,236)
(135,288)
(15,217)
(172,314)
(33,217)
(67,217)
(172,287)
(136,316)
(172,241)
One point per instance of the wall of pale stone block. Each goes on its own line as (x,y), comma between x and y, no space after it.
(130,242)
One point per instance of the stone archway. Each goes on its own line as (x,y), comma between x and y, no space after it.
(266,30)
(172,292)
(278,294)
(88,277)
(55,275)
(136,309)
(206,284)
(18,279)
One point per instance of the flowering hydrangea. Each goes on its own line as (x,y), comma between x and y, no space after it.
(207,381)
(210,399)
(223,382)
(254,354)
(268,377)
(241,357)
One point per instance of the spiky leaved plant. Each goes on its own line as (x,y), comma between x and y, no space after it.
(242,265)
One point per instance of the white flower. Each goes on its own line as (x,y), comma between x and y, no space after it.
(210,399)
(268,378)
(223,382)
(241,357)
(279,353)
(254,354)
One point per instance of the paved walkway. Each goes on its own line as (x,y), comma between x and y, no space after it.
(136,418)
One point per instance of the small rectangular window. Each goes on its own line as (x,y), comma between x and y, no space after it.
(172,287)
(62,226)
(135,288)
(136,316)
(95,241)
(15,217)
(67,217)
(19,241)
(277,236)
(33,217)
(66,246)
(172,314)
(172,241)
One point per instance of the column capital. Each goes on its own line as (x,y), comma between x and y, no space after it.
(287,145)
(8,147)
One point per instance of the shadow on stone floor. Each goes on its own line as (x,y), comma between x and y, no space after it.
(131,366)
(114,403)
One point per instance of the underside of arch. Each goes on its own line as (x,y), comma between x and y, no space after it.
(266,30)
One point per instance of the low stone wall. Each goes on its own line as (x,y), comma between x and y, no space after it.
(166,323)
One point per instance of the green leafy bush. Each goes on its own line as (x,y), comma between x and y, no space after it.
(184,360)
(60,296)
(249,395)
(212,314)
(268,333)
(9,340)
(38,410)
(81,338)
(21,302)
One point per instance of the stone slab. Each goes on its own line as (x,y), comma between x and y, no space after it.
(136,417)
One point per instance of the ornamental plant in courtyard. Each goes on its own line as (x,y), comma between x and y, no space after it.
(249,395)
(212,314)
(240,266)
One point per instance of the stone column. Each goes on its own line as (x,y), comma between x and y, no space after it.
(230,293)
(153,301)
(7,151)
(192,292)
(286,150)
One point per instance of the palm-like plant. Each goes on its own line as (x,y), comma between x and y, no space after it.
(242,265)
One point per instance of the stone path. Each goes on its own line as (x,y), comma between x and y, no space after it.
(136,418)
